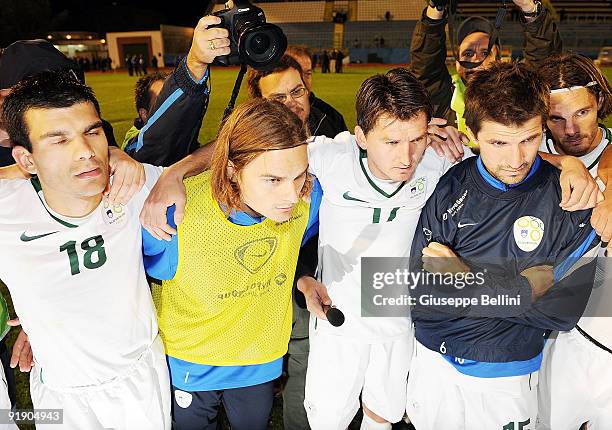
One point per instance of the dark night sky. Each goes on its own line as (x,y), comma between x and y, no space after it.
(28,19)
(139,12)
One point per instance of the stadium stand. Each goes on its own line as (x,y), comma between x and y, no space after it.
(376,10)
(584,11)
(317,35)
(368,34)
(369,25)
(306,11)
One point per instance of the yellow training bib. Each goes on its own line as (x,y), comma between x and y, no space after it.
(230,300)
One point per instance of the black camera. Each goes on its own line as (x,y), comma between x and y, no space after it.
(253,41)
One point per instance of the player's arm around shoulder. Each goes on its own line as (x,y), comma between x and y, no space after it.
(169,190)
(128,177)
(160,257)
(579,190)
(324,151)
(601,219)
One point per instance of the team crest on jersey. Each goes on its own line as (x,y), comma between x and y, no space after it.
(417,187)
(255,254)
(528,232)
(114,215)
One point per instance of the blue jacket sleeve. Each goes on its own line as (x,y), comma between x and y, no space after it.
(171,132)
(161,257)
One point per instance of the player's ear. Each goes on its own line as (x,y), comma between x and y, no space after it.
(231,171)
(24,159)
(471,135)
(360,138)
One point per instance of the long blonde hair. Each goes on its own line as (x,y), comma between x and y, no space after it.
(255,127)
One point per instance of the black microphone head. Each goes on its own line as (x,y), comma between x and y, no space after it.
(335,317)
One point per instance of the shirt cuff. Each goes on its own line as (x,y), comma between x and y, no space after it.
(201,81)
(186,81)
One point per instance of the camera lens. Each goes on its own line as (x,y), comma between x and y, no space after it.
(260,43)
(261,46)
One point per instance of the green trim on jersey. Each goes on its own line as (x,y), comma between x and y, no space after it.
(363,154)
(38,188)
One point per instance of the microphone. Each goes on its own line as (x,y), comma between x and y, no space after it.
(334,315)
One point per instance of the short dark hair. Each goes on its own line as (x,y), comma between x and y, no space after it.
(141,92)
(298,51)
(398,94)
(506,93)
(571,70)
(46,90)
(254,76)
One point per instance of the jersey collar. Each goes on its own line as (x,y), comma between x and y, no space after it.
(363,155)
(38,188)
(496,183)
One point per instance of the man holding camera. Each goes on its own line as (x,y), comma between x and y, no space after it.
(477,46)
(173,124)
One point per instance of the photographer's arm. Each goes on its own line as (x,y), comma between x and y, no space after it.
(428,53)
(172,130)
(542,37)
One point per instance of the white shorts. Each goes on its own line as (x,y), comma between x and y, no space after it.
(440,397)
(339,369)
(575,385)
(138,399)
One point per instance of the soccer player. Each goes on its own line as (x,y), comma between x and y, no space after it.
(225,304)
(576,376)
(73,265)
(369,209)
(482,362)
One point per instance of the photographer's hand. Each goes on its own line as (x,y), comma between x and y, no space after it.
(434,13)
(207,44)
(526,6)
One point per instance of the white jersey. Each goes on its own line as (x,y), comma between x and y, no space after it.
(78,285)
(599,328)
(362,216)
